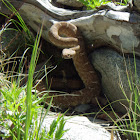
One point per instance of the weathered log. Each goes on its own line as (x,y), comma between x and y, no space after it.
(72,3)
(113,25)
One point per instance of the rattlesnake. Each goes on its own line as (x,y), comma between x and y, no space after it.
(67,37)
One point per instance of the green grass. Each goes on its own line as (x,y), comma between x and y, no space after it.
(33,62)
(129,124)
(18,105)
(19,23)
(93,4)
(132,123)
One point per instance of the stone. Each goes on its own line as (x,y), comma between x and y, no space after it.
(81,128)
(82,108)
(113,67)
(13,41)
(136,4)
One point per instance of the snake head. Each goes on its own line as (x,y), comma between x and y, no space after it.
(68,53)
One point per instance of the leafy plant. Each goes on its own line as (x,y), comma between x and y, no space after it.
(57,127)
(93,4)
(19,107)
(12,108)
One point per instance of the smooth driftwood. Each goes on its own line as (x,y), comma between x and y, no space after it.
(109,25)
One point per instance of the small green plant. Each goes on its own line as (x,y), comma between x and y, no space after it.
(12,108)
(20,109)
(13,116)
(93,4)
(57,127)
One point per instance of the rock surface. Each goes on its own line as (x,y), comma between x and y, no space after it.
(113,70)
(82,108)
(136,3)
(81,128)
(13,41)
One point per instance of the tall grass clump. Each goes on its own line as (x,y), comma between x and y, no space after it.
(20,109)
(132,121)
(129,124)
(19,23)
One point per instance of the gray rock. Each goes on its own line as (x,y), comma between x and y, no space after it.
(82,108)
(81,128)
(13,40)
(137,4)
(8,42)
(113,70)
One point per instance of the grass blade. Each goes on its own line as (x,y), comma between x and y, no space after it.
(30,83)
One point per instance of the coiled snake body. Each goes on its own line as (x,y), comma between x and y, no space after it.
(67,37)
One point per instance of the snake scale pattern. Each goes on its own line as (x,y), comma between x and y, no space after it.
(67,37)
